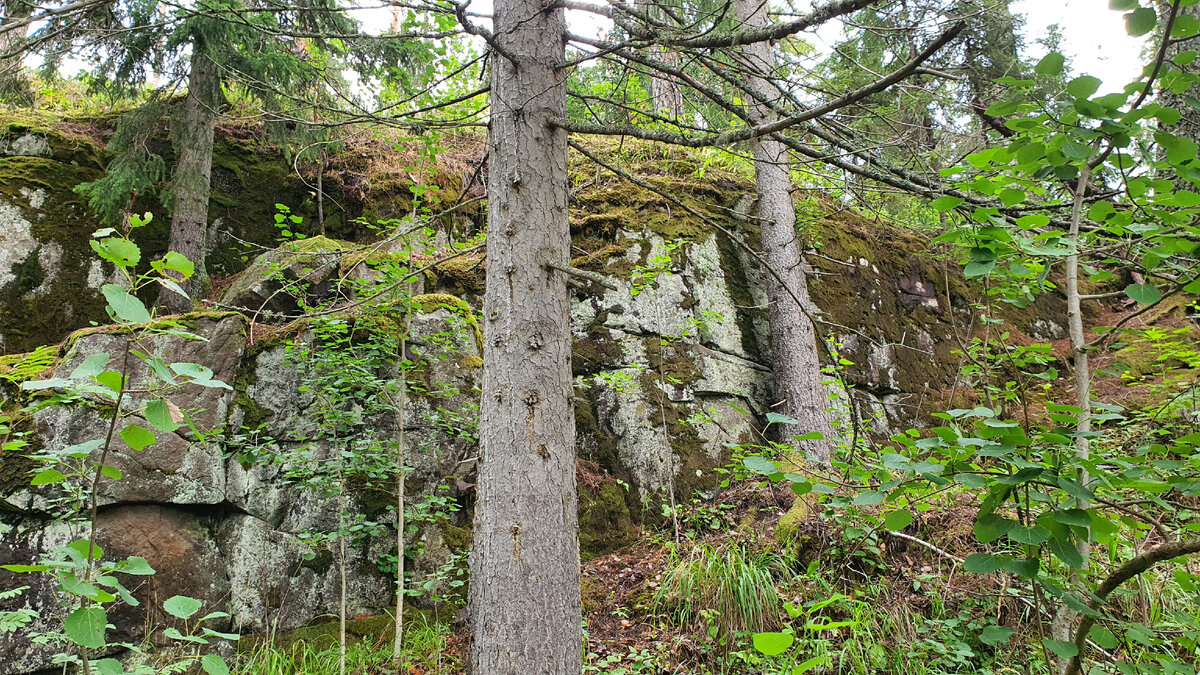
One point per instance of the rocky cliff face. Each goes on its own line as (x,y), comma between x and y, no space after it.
(672,368)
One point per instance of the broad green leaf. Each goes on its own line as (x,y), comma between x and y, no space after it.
(1141,21)
(137,437)
(1051,65)
(898,520)
(1103,637)
(1012,196)
(214,665)
(179,263)
(945,203)
(1061,649)
(48,477)
(120,252)
(1146,294)
(111,379)
(777,418)
(994,635)
(124,306)
(982,563)
(137,565)
(111,471)
(108,667)
(869,498)
(1031,535)
(90,367)
(772,644)
(181,606)
(86,626)
(1084,85)
(810,436)
(760,465)
(158,414)
(1064,550)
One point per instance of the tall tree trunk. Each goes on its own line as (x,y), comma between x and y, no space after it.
(193,139)
(794,355)
(524,595)
(13,85)
(665,93)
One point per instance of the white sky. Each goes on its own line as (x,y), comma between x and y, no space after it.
(1094,38)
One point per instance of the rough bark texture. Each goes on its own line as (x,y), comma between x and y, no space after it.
(666,96)
(13,85)
(794,356)
(193,138)
(524,597)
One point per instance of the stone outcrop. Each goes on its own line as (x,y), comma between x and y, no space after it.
(672,369)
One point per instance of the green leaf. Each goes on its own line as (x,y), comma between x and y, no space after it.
(86,626)
(108,667)
(1061,649)
(760,465)
(178,262)
(1103,637)
(810,664)
(214,665)
(181,606)
(869,498)
(982,563)
(1146,294)
(772,644)
(120,252)
(1051,65)
(945,203)
(90,367)
(137,565)
(158,414)
(1064,550)
(777,418)
(111,379)
(1140,21)
(48,477)
(994,635)
(111,471)
(137,438)
(810,436)
(978,269)
(1012,196)
(1031,535)
(1084,85)
(898,520)
(124,306)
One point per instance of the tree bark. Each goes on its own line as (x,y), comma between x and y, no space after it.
(193,139)
(13,84)
(794,355)
(1063,626)
(524,593)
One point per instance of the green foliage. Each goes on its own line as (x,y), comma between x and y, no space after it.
(726,590)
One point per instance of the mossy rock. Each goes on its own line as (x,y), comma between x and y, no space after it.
(605,524)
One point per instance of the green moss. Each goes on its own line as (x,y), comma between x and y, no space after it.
(253,415)
(430,302)
(595,352)
(458,539)
(326,635)
(605,524)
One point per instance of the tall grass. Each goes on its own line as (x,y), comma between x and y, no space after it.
(735,587)
(423,652)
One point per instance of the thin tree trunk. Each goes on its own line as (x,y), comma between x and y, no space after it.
(524,592)
(665,93)
(1063,627)
(401,401)
(193,140)
(794,355)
